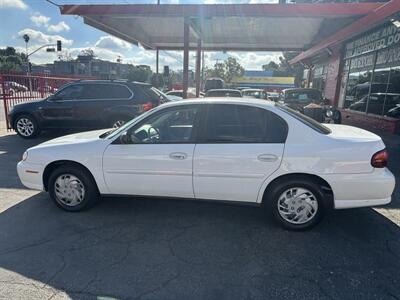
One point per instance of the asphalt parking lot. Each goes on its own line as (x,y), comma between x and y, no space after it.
(168,249)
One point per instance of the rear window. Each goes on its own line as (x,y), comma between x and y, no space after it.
(303,95)
(224,93)
(305,120)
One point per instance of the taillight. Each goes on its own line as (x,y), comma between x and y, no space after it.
(147,106)
(380,159)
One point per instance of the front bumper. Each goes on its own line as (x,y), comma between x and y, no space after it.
(31,175)
(361,190)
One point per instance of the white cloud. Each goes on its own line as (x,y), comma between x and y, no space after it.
(112,43)
(40,20)
(19,4)
(40,37)
(255,60)
(61,26)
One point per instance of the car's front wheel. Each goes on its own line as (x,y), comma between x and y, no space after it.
(296,204)
(26,126)
(72,188)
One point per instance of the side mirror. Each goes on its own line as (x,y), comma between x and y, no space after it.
(53,98)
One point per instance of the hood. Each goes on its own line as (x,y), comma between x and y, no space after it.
(75,138)
(29,103)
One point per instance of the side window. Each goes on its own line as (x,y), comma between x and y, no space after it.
(227,123)
(72,92)
(277,129)
(106,92)
(174,126)
(117,91)
(235,124)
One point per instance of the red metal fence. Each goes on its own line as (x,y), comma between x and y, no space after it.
(17,88)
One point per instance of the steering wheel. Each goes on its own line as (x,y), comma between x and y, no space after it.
(154,134)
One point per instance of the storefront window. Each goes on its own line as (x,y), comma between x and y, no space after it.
(319,78)
(371,73)
(392,100)
(379,89)
(357,90)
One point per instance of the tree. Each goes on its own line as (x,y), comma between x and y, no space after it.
(295,70)
(140,74)
(232,69)
(88,52)
(271,66)
(157,80)
(11,60)
(226,70)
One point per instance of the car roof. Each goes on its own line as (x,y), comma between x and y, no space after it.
(112,81)
(252,90)
(300,90)
(223,90)
(221,100)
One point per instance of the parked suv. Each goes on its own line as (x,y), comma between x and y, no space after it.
(85,104)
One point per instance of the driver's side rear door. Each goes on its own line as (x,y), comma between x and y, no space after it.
(157,159)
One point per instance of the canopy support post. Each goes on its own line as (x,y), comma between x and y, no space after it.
(198,63)
(157,60)
(185,82)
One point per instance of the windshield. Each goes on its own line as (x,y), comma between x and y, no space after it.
(303,95)
(304,119)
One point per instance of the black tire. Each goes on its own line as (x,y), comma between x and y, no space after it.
(91,193)
(337,117)
(118,119)
(275,192)
(25,118)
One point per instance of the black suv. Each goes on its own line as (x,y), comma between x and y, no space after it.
(85,104)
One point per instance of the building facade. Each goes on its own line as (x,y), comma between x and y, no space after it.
(361,73)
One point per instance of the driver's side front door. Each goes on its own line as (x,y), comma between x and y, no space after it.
(155,158)
(58,110)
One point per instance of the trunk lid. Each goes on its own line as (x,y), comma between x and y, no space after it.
(353,148)
(345,132)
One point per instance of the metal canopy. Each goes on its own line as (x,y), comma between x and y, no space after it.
(222,27)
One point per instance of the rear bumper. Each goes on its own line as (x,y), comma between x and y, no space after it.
(342,204)
(361,190)
(31,175)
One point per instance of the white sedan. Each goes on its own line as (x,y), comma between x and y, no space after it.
(242,150)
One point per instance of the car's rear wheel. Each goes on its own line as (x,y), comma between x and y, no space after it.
(72,188)
(26,126)
(296,204)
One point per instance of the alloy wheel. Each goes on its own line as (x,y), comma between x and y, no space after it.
(25,127)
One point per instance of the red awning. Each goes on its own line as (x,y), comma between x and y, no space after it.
(377,16)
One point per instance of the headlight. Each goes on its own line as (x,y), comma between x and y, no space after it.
(25,156)
(329,113)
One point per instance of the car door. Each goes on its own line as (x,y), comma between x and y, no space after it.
(99,104)
(58,110)
(238,149)
(155,156)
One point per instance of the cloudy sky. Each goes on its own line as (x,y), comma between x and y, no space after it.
(44,24)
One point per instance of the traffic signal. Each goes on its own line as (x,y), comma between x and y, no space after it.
(58,45)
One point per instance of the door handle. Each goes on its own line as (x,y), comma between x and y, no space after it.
(178,155)
(267,157)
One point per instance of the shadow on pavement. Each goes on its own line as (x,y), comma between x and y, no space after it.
(167,249)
